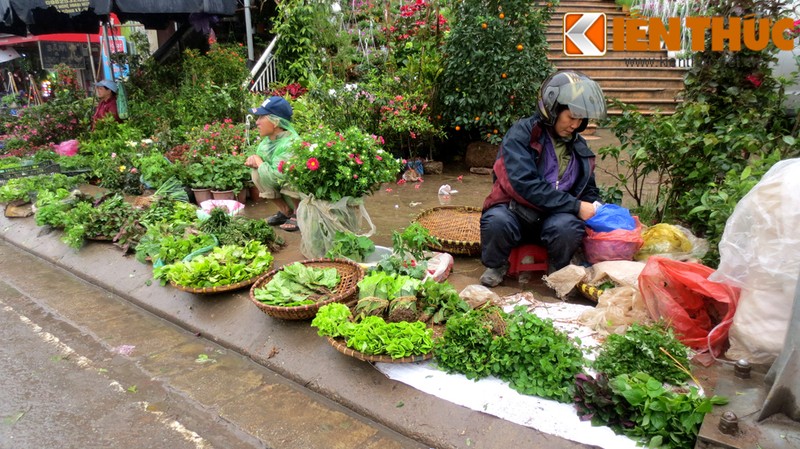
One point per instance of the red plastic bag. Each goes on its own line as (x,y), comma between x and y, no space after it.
(681,294)
(620,244)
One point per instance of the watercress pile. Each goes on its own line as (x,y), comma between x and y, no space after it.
(525,350)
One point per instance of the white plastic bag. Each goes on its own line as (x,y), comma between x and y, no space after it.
(760,253)
(318,221)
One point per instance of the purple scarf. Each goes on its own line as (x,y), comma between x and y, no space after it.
(549,167)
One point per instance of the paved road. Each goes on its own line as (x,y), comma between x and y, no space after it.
(113,375)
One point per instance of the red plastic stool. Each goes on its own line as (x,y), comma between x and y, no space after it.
(527,258)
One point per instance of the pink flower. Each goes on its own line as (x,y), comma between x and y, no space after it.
(399,98)
(460,178)
(134,170)
(280,166)
(312,164)
(388,190)
(416,186)
(358,160)
(401,182)
(113,155)
(355,176)
(329,144)
(306,144)
(378,157)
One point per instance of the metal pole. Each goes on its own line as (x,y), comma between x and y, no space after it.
(248,22)
(91,59)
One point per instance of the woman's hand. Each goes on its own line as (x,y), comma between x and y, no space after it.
(253,161)
(586,211)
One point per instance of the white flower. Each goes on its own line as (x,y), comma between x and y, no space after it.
(312,147)
(350,87)
(332,92)
(147,141)
(132,144)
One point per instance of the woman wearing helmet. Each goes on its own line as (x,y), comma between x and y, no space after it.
(544,185)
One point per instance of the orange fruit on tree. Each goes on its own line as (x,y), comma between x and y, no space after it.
(502,16)
(519,47)
(458,128)
(495,131)
(477,118)
(484,25)
(504,76)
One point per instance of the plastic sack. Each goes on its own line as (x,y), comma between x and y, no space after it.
(233,207)
(621,244)
(673,241)
(760,253)
(319,220)
(610,217)
(122,101)
(699,310)
(67,148)
(617,308)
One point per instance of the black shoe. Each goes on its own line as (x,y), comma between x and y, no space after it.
(277,219)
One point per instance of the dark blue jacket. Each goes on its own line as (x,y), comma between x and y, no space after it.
(516,171)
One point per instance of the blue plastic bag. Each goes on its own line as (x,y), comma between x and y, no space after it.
(610,217)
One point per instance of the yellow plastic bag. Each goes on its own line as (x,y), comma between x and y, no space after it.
(672,241)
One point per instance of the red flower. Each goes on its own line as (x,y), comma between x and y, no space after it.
(312,164)
(358,161)
(280,166)
(755,79)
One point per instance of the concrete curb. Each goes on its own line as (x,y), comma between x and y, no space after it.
(289,348)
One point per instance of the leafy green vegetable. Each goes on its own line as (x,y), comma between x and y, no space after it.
(373,335)
(439,301)
(350,246)
(466,345)
(298,284)
(662,418)
(536,358)
(225,265)
(638,349)
(413,241)
(19,188)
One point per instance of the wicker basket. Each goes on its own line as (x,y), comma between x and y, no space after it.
(341,346)
(219,288)
(350,274)
(458,228)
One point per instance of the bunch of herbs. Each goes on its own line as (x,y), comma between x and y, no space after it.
(639,349)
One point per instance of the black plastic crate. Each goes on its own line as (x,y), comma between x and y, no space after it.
(23,171)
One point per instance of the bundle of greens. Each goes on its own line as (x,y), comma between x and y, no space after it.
(52,207)
(109,217)
(639,406)
(233,230)
(224,265)
(378,289)
(439,301)
(297,285)
(650,349)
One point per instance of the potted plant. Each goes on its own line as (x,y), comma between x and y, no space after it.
(200,175)
(229,176)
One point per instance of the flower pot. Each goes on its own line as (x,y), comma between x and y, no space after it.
(223,195)
(241,196)
(201,195)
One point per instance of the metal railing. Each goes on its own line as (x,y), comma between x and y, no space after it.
(264,71)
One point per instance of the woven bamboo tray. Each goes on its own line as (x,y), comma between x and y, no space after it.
(219,288)
(341,346)
(458,228)
(350,274)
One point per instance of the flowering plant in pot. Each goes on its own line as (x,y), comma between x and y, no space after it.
(333,171)
(200,173)
(216,138)
(332,165)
